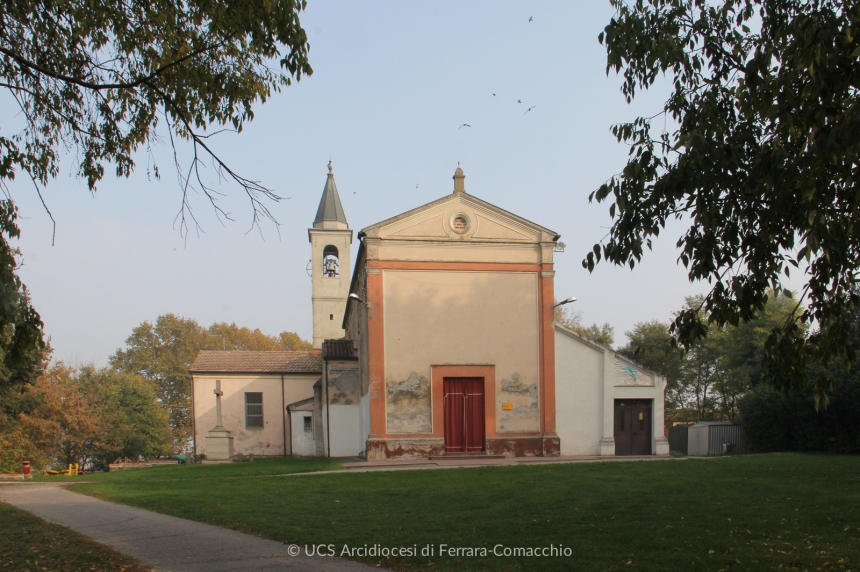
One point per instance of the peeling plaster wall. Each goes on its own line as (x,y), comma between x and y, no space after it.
(523,397)
(461,318)
(578,395)
(408,405)
(343,384)
(302,440)
(267,441)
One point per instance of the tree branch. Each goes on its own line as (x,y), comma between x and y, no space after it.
(101,86)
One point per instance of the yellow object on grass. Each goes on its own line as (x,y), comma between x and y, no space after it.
(72,471)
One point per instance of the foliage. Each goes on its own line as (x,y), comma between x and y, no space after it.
(133,423)
(22,345)
(603,334)
(92,81)
(29,543)
(760,163)
(649,344)
(776,422)
(64,428)
(163,352)
(88,416)
(95,78)
(710,377)
(756,512)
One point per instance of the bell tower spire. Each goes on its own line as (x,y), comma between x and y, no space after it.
(330,239)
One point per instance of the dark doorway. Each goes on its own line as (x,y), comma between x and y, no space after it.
(632,426)
(464,414)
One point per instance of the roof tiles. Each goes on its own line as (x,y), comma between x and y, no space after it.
(339,349)
(257,362)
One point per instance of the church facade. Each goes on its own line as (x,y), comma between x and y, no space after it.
(440,342)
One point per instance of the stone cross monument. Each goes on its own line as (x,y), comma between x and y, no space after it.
(219,442)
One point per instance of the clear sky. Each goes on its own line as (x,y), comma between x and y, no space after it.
(392,83)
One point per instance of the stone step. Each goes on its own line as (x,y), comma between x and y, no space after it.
(464,456)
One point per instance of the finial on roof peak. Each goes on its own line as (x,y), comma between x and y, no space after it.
(459,180)
(330,209)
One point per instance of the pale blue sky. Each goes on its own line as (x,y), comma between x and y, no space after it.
(392,82)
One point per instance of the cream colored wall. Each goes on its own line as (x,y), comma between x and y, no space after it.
(578,396)
(266,441)
(589,378)
(302,441)
(461,318)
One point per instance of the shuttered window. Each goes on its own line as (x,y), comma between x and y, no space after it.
(253,410)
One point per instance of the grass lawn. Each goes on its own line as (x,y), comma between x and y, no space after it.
(174,472)
(28,543)
(745,512)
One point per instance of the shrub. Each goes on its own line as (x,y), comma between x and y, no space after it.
(775,422)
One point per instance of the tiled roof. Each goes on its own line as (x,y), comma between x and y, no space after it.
(257,362)
(339,349)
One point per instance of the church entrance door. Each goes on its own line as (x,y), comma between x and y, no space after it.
(464,414)
(632,427)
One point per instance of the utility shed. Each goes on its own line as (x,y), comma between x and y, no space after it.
(715,438)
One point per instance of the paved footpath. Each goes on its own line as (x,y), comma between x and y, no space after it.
(166,543)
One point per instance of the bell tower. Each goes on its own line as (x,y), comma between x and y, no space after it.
(330,240)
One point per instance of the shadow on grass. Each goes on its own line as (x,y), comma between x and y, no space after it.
(260,467)
(29,543)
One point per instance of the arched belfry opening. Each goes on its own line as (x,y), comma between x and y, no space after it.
(331,263)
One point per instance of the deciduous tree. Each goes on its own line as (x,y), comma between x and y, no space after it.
(758,157)
(163,352)
(599,334)
(650,344)
(100,81)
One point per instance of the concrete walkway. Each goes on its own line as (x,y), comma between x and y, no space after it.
(166,543)
(358,465)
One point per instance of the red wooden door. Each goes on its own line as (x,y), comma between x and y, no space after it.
(464,414)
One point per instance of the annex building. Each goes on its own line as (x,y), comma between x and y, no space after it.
(440,341)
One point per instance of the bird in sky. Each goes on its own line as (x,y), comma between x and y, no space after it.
(494,95)
(416,185)
(464,125)
(519,101)
(530,18)
(530,108)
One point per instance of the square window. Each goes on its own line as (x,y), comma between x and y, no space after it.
(253,410)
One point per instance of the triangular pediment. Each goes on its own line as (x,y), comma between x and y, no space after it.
(432,226)
(460,217)
(493,229)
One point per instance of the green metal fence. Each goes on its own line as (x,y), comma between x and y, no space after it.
(678,439)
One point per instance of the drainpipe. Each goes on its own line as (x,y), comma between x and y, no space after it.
(326,432)
(285,415)
(193,423)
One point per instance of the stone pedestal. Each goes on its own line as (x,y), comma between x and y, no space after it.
(219,444)
(662,446)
